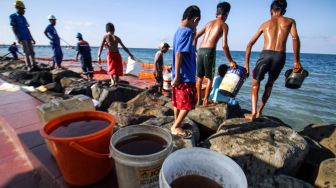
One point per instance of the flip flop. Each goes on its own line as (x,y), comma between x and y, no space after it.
(187,134)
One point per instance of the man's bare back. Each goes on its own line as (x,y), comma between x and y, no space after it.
(276,31)
(111,42)
(213,32)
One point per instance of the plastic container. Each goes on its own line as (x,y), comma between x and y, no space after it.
(294,80)
(82,160)
(139,171)
(56,108)
(202,162)
(167,81)
(233,81)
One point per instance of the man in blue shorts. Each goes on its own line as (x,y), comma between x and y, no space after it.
(20,28)
(184,70)
(83,49)
(55,42)
(273,57)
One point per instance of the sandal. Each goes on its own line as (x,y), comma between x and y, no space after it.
(187,134)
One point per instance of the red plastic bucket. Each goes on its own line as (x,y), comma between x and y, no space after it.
(82,160)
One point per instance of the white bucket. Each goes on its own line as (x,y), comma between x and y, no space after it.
(167,81)
(202,162)
(139,171)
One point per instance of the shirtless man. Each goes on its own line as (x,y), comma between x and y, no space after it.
(206,56)
(114,60)
(272,58)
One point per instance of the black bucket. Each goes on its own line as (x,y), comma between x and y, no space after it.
(294,80)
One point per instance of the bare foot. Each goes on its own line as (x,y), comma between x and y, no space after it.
(251,117)
(205,102)
(185,134)
(259,115)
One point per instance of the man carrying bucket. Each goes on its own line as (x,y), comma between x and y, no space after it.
(23,35)
(273,57)
(206,56)
(158,64)
(184,70)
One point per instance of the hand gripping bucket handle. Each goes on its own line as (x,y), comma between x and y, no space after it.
(86,151)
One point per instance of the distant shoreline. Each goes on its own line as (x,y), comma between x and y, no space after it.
(48,46)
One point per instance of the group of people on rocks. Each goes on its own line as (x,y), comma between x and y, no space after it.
(189,66)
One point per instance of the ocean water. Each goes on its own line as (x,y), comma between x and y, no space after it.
(313,103)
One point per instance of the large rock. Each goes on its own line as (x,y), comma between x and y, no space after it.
(106,95)
(166,123)
(310,166)
(282,181)
(261,148)
(59,74)
(327,174)
(323,134)
(79,87)
(144,105)
(11,65)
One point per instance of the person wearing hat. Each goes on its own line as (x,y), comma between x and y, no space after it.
(20,28)
(55,42)
(158,64)
(83,49)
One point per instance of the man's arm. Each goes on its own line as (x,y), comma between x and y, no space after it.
(249,48)
(178,62)
(198,35)
(46,34)
(226,46)
(126,50)
(296,47)
(101,49)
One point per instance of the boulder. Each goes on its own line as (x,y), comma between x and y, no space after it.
(166,123)
(310,166)
(68,81)
(325,135)
(261,148)
(40,78)
(11,65)
(79,87)
(145,104)
(210,116)
(20,76)
(59,74)
(106,96)
(282,181)
(327,174)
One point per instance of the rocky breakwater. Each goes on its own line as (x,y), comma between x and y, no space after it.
(263,149)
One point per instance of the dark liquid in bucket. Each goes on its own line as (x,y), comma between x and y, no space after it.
(79,128)
(194,181)
(141,144)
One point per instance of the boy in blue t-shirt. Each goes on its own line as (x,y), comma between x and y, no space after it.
(83,48)
(184,70)
(51,33)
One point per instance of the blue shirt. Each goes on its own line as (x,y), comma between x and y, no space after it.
(84,49)
(20,25)
(13,49)
(52,33)
(183,42)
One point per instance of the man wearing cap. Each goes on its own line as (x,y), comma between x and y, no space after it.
(55,42)
(158,64)
(83,48)
(20,28)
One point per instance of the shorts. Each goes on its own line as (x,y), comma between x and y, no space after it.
(159,78)
(184,96)
(270,62)
(114,64)
(206,61)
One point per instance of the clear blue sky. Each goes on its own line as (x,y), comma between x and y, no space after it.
(144,23)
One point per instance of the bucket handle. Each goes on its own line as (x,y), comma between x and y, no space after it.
(86,151)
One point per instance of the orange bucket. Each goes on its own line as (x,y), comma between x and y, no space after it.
(83,160)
